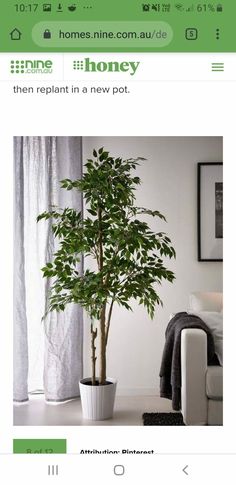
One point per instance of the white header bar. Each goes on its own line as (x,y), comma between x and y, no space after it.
(117,67)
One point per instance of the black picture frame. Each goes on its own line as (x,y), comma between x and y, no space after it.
(209,186)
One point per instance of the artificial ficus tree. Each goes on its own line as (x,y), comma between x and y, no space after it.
(127,252)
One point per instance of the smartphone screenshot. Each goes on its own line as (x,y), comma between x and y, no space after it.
(117,210)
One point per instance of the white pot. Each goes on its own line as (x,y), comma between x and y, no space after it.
(97,401)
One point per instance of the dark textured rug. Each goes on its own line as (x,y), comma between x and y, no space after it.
(163,419)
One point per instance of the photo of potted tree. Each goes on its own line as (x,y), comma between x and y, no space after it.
(125,256)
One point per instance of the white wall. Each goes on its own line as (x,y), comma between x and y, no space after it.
(169,184)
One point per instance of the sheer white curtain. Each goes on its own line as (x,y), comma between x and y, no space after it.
(47,355)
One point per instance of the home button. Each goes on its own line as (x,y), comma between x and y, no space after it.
(119,470)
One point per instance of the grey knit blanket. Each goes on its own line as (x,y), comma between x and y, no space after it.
(170,372)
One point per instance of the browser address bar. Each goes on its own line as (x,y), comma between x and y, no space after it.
(84,34)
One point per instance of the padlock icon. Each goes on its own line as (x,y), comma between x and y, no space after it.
(47,34)
(219,8)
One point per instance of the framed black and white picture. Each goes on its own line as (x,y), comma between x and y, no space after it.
(210,211)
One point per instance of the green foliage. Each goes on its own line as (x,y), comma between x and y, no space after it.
(129,255)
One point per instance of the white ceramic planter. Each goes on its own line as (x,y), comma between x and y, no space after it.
(97,401)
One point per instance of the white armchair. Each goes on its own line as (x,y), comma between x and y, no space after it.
(202,385)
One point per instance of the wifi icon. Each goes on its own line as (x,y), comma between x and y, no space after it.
(179,7)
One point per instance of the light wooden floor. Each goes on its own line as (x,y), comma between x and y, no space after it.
(128,412)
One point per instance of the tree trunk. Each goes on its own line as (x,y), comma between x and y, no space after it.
(109,320)
(103,309)
(94,358)
(103,345)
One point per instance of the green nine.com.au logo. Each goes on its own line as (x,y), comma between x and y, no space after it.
(31,67)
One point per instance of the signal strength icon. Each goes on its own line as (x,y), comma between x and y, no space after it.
(179,7)
(190,9)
